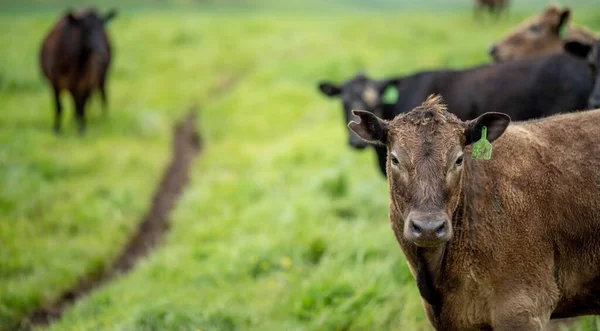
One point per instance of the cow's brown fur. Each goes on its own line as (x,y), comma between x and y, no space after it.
(494,6)
(526,224)
(539,35)
(69,65)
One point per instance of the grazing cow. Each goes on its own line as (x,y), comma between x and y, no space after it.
(494,6)
(75,56)
(539,35)
(590,52)
(504,244)
(525,89)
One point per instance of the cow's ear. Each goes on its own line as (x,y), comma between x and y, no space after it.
(110,15)
(71,18)
(371,128)
(495,123)
(330,89)
(577,48)
(563,19)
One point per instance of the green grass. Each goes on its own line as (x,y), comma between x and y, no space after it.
(305,6)
(282,226)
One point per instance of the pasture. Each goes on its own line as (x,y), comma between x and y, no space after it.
(282,226)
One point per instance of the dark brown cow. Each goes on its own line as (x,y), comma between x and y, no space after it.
(75,56)
(494,6)
(539,35)
(505,244)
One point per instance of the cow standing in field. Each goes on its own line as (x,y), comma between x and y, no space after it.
(75,56)
(495,7)
(539,35)
(525,89)
(591,53)
(504,244)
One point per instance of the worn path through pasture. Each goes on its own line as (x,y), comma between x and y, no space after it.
(151,229)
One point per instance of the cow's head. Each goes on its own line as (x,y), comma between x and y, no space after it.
(591,52)
(538,35)
(360,92)
(426,157)
(91,27)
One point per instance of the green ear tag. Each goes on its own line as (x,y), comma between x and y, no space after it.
(482,149)
(390,95)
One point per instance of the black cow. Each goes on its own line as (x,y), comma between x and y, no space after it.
(526,89)
(591,52)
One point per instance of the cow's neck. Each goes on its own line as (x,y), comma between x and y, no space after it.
(430,264)
(428,269)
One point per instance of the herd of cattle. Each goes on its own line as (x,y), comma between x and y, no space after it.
(510,242)
(503,244)
(533,77)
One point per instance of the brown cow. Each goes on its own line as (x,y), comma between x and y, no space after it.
(75,56)
(494,6)
(539,35)
(505,244)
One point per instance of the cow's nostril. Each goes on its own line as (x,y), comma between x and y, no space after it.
(440,229)
(415,229)
(493,50)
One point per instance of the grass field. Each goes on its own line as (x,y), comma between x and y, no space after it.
(282,226)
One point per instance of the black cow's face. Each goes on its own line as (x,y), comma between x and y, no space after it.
(358,93)
(591,52)
(92,29)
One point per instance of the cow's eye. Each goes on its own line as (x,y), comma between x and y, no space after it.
(394,161)
(459,161)
(535,28)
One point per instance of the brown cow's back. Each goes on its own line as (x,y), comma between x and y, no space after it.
(552,172)
(60,62)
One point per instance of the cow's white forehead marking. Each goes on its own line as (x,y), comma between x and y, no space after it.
(370,95)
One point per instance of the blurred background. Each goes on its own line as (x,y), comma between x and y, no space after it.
(282,226)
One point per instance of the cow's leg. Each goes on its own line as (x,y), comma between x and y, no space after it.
(103,96)
(504,10)
(57,109)
(498,11)
(80,99)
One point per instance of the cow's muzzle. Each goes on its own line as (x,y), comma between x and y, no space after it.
(427,229)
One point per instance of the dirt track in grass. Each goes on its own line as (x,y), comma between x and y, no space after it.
(151,228)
